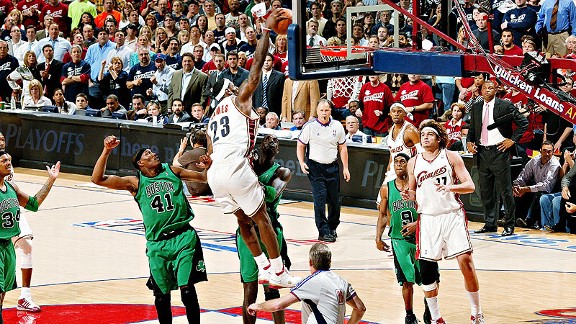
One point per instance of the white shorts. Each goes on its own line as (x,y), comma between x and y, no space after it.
(443,235)
(236,186)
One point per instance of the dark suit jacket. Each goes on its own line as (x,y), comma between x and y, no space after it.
(207,92)
(53,81)
(194,92)
(273,92)
(185,118)
(504,115)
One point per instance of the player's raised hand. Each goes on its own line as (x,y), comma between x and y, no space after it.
(110,142)
(54,170)
(275,16)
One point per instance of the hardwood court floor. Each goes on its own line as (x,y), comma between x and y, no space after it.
(89,250)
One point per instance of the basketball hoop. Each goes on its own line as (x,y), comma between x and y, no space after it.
(342,51)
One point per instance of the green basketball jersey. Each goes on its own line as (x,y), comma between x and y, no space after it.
(10,211)
(163,205)
(402,212)
(272,206)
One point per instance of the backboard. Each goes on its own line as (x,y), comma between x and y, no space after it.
(324,62)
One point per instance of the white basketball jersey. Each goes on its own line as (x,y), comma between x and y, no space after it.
(396,146)
(232,133)
(323,295)
(428,174)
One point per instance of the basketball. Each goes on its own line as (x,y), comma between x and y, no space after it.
(282,27)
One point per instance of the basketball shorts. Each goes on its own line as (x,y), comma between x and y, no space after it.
(236,186)
(7,266)
(175,262)
(442,236)
(406,266)
(248,266)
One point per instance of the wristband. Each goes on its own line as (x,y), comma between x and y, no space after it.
(32,204)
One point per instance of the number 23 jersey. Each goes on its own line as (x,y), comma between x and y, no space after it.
(428,174)
(232,133)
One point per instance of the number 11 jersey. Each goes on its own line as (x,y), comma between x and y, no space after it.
(232,133)
(428,174)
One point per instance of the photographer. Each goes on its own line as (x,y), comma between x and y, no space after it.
(189,159)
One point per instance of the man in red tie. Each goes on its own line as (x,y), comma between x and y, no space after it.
(491,139)
(50,71)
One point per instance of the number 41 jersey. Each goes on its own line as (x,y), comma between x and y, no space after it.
(232,133)
(428,174)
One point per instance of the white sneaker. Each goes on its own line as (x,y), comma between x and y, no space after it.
(27,304)
(264,275)
(478,319)
(283,280)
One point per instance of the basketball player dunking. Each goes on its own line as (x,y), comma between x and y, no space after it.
(433,182)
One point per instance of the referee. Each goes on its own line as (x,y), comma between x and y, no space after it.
(324,137)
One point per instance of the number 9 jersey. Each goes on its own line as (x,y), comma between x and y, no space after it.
(430,173)
(232,133)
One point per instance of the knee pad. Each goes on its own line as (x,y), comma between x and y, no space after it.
(24,248)
(271,294)
(430,287)
(162,299)
(429,272)
(188,294)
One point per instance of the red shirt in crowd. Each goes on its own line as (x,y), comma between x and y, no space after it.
(520,100)
(375,98)
(34,19)
(6,6)
(517,51)
(454,130)
(413,95)
(60,15)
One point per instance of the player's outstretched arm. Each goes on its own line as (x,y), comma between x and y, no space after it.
(32,203)
(111,181)
(273,305)
(382,219)
(466,184)
(283,176)
(358,309)
(190,175)
(247,88)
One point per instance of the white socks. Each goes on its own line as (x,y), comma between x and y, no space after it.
(434,308)
(474,303)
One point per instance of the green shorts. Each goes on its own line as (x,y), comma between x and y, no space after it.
(175,262)
(7,266)
(405,264)
(248,266)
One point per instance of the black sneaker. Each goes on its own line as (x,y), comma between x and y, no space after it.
(427,316)
(333,233)
(327,238)
(410,319)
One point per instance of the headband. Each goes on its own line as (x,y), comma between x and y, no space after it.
(223,90)
(137,157)
(430,129)
(397,104)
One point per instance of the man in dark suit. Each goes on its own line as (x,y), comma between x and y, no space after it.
(490,138)
(187,84)
(178,114)
(267,93)
(49,71)
(219,62)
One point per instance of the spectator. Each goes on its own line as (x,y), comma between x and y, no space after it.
(155,114)
(340,91)
(376,99)
(131,38)
(249,47)
(232,44)
(113,106)
(24,76)
(234,73)
(218,60)
(454,127)
(194,39)
(300,95)
(198,114)
(266,94)
(78,39)
(30,45)
(272,121)
(161,81)
(36,97)
(108,11)
(557,129)
(170,25)
(242,60)
(81,104)
(50,71)
(138,110)
(75,74)
(88,33)
(187,84)
(15,43)
(220,30)
(173,58)
(558,29)
(122,51)
(202,23)
(60,45)
(520,21)
(417,97)
(537,178)
(86,19)
(114,81)
(77,8)
(178,114)
(335,14)
(188,160)
(316,12)
(312,37)
(354,133)
(507,41)
(140,75)
(481,32)
(96,58)
(298,119)
(64,107)
(210,12)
